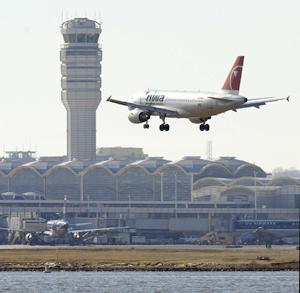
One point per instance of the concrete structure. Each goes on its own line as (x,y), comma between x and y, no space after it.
(121,153)
(81,83)
(150,179)
(156,218)
(155,196)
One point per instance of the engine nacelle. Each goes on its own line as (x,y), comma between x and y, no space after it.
(29,237)
(138,116)
(76,235)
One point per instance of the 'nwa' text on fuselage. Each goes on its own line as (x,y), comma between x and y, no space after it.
(155,98)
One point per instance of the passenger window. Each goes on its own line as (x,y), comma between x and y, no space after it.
(81,38)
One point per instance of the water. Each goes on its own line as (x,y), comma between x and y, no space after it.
(158,282)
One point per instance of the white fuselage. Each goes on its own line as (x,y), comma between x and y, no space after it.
(57,228)
(190,104)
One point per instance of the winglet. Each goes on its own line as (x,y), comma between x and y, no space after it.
(108,99)
(288,98)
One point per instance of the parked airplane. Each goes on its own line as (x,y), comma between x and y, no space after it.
(61,231)
(268,231)
(196,106)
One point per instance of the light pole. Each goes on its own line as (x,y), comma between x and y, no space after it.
(175,193)
(88,198)
(161,187)
(255,196)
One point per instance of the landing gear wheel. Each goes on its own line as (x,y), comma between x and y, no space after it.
(202,127)
(206,127)
(146,126)
(163,127)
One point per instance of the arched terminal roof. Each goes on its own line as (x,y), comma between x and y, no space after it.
(231,163)
(6,167)
(238,190)
(192,164)
(215,170)
(69,165)
(151,164)
(115,166)
(247,181)
(281,181)
(250,170)
(209,181)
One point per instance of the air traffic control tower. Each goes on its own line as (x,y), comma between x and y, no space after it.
(81,85)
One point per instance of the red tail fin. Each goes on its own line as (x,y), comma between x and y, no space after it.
(233,80)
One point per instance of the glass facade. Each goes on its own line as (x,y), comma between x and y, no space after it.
(26,180)
(176,184)
(81,38)
(99,184)
(136,184)
(3,183)
(61,182)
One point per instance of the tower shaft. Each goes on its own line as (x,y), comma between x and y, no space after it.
(81,85)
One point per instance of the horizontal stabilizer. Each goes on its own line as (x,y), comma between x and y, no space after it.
(261,102)
(222,99)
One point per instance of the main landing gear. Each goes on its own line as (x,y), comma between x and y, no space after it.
(164,126)
(204,127)
(146,125)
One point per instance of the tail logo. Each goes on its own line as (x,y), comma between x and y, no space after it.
(234,78)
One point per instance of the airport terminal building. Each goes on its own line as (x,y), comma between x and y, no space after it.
(149,179)
(155,196)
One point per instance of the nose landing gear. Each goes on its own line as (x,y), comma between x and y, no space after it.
(146,125)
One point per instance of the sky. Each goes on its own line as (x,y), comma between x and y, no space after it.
(170,44)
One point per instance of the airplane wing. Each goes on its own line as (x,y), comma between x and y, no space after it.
(9,229)
(261,102)
(109,229)
(147,108)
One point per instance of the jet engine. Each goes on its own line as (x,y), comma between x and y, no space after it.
(29,237)
(138,116)
(76,235)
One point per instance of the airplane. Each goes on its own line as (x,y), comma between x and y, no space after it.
(262,235)
(268,231)
(61,231)
(196,106)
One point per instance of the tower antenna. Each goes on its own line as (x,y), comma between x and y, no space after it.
(209,154)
